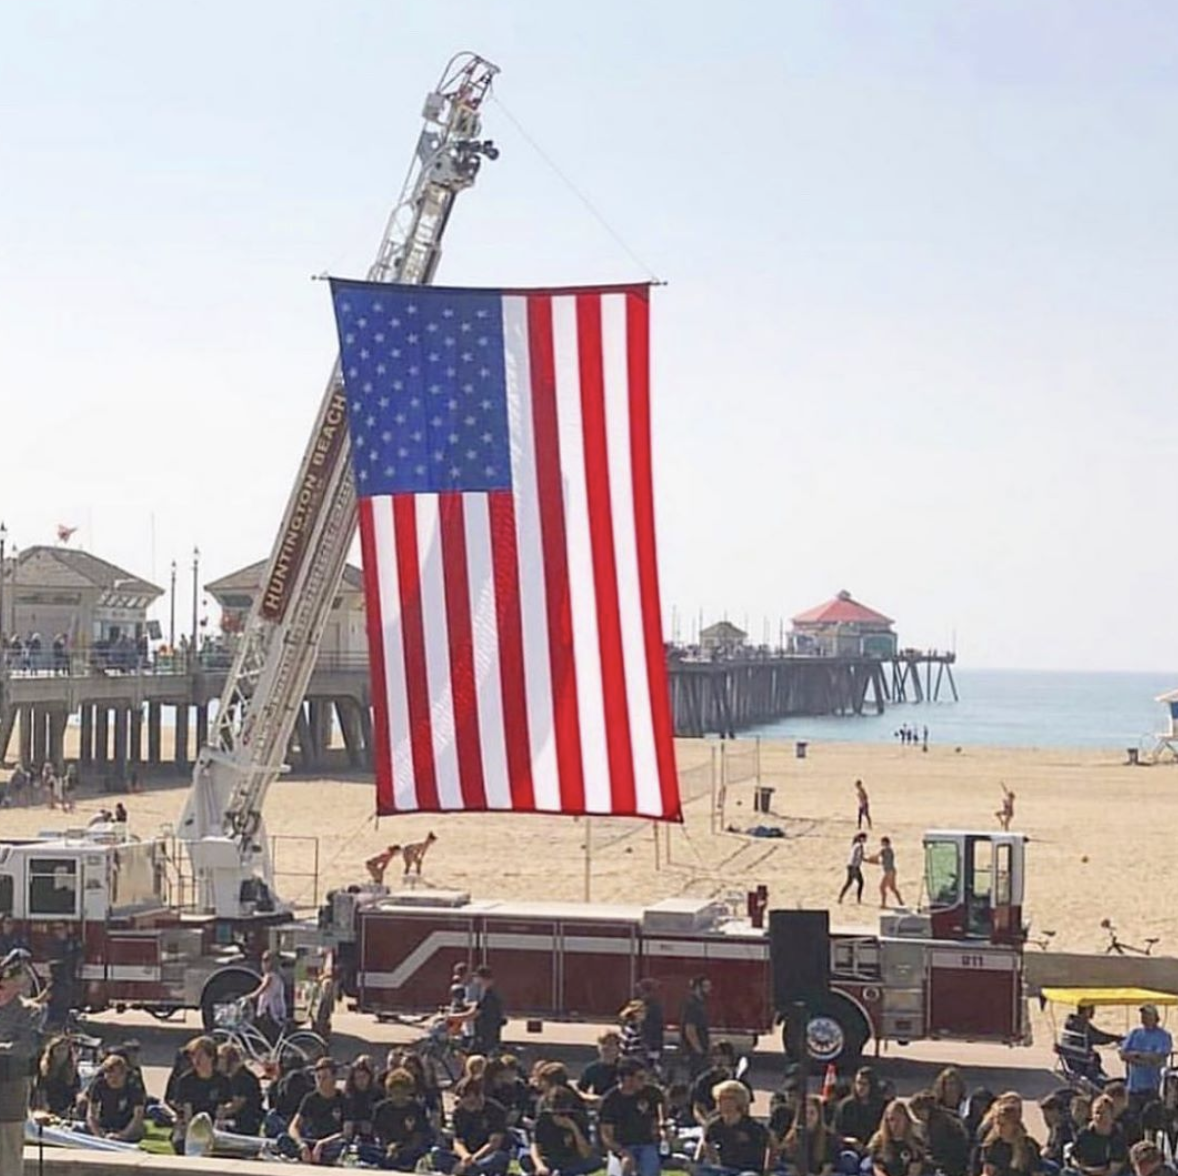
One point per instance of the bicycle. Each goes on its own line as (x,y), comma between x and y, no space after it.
(293,1048)
(1116,946)
(440,1054)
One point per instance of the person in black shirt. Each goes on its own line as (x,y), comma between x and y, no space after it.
(361,1094)
(1147,1159)
(1100,1148)
(502,1082)
(601,1075)
(114,1104)
(560,1138)
(783,1109)
(58,1085)
(733,1142)
(480,1134)
(401,1124)
(198,1090)
(1078,1042)
(245,1108)
(856,1117)
(317,1129)
(821,1148)
(895,1149)
(945,1136)
(722,1068)
(488,1018)
(696,1035)
(631,1121)
(286,1095)
(1007,1149)
(653,1023)
(1058,1121)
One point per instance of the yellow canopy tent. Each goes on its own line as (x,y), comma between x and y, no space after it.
(1109,997)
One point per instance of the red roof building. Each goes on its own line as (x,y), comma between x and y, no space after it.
(842,627)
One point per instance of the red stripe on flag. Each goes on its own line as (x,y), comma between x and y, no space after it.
(463,691)
(561,655)
(605,567)
(509,622)
(413,632)
(638,370)
(383,754)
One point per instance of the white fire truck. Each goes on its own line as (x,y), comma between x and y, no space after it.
(146,941)
(952,970)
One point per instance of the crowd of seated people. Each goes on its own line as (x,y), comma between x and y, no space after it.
(619,1115)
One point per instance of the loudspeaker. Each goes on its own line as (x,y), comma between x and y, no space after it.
(799,954)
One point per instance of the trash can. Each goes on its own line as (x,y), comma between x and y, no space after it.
(1131,752)
(800,748)
(762,798)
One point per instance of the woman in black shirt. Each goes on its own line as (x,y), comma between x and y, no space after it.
(1007,1149)
(895,1149)
(822,1149)
(58,1086)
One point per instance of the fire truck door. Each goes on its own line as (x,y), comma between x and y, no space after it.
(522,954)
(975,993)
(598,968)
(95,888)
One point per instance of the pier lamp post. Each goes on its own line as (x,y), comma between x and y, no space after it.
(195,594)
(172,614)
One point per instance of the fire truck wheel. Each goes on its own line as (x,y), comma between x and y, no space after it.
(836,1033)
(224,988)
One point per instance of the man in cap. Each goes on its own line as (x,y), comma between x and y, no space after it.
(20,1022)
(1145,1051)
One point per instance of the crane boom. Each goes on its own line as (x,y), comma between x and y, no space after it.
(222,822)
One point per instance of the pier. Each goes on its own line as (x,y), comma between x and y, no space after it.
(123,714)
(727,694)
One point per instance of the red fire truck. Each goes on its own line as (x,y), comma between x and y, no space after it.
(952,969)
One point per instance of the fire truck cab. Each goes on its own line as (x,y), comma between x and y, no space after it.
(105,898)
(949,968)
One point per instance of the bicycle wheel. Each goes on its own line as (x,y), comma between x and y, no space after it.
(441,1068)
(301,1048)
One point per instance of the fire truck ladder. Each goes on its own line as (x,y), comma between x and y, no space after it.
(222,822)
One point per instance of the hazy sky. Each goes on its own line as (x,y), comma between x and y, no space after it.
(917,340)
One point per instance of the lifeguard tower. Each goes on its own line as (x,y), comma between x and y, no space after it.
(1166,742)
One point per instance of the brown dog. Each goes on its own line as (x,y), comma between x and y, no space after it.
(413,856)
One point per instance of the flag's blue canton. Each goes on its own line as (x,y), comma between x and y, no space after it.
(427,394)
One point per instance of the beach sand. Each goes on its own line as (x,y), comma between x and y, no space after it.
(1100,834)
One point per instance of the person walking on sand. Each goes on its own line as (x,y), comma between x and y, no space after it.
(886,860)
(1006,813)
(855,868)
(864,806)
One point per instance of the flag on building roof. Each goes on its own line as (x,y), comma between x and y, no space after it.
(501,448)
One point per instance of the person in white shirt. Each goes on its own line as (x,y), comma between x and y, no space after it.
(855,868)
(269,998)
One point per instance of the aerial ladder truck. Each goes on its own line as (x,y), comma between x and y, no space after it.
(222,826)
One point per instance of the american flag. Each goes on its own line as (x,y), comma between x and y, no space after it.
(501,448)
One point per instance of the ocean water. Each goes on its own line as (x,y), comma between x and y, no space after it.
(1011,708)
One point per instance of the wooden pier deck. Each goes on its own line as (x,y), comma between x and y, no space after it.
(730,694)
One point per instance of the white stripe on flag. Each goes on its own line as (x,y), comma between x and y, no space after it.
(533,607)
(648,795)
(485,635)
(582,585)
(404,787)
(437,651)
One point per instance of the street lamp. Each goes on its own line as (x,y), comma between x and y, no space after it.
(195,593)
(172,613)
